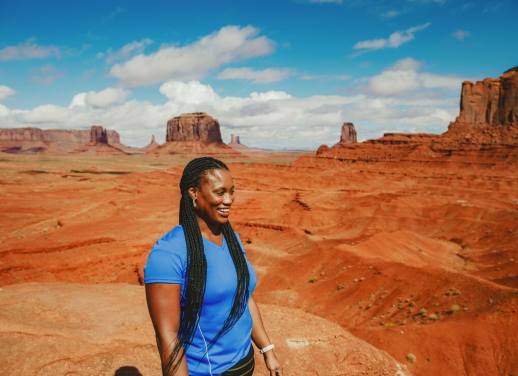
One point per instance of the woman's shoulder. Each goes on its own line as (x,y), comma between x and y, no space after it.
(173,240)
(175,233)
(167,260)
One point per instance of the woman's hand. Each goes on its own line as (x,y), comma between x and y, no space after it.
(272,363)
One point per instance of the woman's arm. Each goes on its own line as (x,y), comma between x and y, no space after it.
(261,339)
(163,301)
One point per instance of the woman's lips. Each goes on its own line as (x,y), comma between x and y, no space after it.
(224,212)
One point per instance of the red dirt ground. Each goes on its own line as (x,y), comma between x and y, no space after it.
(410,257)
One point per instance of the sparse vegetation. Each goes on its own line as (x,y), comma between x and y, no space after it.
(453,309)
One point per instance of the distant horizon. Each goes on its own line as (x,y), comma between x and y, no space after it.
(292,79)
(283,148)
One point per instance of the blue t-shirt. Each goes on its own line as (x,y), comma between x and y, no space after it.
(167,263)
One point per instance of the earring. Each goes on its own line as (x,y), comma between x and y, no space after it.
(194,202)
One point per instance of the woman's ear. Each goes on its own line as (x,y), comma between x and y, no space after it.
(192,192)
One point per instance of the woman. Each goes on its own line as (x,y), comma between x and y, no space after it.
(199,284)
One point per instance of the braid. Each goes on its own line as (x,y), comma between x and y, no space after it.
(196,274)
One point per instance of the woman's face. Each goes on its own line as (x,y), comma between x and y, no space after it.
(214,196)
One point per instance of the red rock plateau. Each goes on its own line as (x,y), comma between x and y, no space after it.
(392,242)
(485,132)
(35,140)
(193,133)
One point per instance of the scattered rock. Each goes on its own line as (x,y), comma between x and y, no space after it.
(454,308)
(411,358)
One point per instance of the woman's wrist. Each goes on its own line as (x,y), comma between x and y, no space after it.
(269,347)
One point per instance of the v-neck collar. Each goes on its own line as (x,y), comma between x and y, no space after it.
(214,244)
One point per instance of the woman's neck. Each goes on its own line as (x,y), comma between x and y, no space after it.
(209,229)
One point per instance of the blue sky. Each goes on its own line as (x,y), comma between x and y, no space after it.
(281,74)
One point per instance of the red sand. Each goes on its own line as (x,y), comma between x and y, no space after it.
(411,257)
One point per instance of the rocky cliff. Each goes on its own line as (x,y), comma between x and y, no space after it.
(193,133)
(152,144)
(348,134)
(98,135)
(33,140)
(485,132)
(234,139)
(194,126)
(488,111)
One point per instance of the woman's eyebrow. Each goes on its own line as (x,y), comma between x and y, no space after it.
(223,187)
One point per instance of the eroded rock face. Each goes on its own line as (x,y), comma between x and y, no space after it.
(98,135)
(348,134)
(52,140)
(194,126)
(152,144)
(485,132)
(488,111)
(234,139)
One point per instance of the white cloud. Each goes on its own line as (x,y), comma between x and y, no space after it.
(406,64)
(45,114)
(460,34)
(130,49)
(391,14)
(257,76)
(403,77)
(192,92)
(6,91)
(273,119)
(99,99)
(46,75)
(28,50)
(395,39)
(229,44)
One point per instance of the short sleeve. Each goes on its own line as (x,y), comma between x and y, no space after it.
(165,264)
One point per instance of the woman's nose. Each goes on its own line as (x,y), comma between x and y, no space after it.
(228,198)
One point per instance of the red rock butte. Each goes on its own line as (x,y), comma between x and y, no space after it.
(234,139)
(348,134)
(194,126)
(193,133)
(485,132)
(488,111)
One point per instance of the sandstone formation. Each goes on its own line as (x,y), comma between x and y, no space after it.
(488,111)
(234,139)
(485,132)
(104,329)
(34,140)
(98,135)
(194,126)
(193,133)
(348,134)
(152,145)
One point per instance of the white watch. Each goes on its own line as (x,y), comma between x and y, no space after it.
(266,348)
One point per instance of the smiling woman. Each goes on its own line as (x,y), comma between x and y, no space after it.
(199,284)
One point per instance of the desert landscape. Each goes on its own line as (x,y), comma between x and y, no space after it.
(392,256)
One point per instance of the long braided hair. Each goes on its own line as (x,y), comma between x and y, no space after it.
(197,265)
